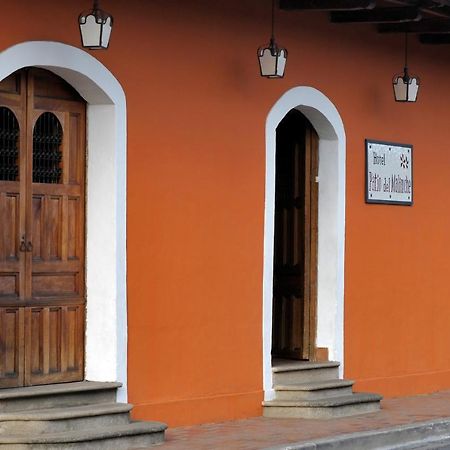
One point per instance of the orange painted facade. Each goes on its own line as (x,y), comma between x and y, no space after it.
(196,111)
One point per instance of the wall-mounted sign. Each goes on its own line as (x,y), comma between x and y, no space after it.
(389,173)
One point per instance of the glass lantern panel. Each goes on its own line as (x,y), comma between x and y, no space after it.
(268,63)
(413,90)
(106,32)
(91,32)
(281,63)
(400,90)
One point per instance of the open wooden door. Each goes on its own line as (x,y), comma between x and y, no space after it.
(42,240)
(295,244)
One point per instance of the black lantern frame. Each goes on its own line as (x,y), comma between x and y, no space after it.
(406,86)
(272,58)
(95,28)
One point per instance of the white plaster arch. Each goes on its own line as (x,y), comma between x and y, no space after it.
(106,331)
(326,120)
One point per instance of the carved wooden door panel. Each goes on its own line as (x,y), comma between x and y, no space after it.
(295,238)
(47,310)
(12,229)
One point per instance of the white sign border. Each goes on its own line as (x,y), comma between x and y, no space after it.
(366,190)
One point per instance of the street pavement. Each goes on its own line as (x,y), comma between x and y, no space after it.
(262,433)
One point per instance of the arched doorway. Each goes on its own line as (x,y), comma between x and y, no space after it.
(295,239)
(326,121)
(106,324)
(42,238)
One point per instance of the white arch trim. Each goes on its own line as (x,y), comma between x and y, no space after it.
(106,332)
(326,120)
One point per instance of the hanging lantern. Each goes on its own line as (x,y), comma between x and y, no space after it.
(406,87)
(272,59)
(95,28)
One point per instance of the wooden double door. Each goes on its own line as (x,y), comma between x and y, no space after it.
(42,230)
(295,244)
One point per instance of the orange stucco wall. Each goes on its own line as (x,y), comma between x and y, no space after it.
(196,118)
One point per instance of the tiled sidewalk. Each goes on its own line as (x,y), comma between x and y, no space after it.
(260,433)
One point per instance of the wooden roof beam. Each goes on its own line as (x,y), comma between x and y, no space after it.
(327,5)
(424,26)
(378,15)
(434,38)
(434,8)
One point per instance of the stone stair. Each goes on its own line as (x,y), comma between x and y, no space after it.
(313,390)
(83,415)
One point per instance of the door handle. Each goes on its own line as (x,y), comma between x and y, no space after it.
(23,246)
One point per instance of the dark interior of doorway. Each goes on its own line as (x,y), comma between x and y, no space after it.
(295,240)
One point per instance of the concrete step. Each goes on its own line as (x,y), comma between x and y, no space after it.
(314,390)
(119,437)
(432,434)
(436,443)
(348,405)
(57,395)
(297,372)
(429,444)
(68,418)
